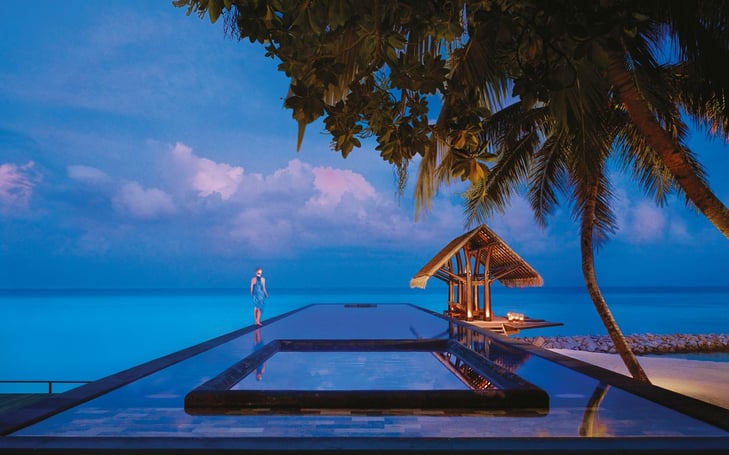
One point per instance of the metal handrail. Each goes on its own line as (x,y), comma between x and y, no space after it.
(50,382)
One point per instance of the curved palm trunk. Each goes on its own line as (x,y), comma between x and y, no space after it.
(664,145)
(588,270)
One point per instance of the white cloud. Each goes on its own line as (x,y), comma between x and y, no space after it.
(296,176)
(518,227)
(207,177)
(679,231)
(262,230)
(134,200)
(16,185)
(302,207)
(643,222)
(87,174)
(290,210)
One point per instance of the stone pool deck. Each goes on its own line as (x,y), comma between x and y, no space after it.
(703,380)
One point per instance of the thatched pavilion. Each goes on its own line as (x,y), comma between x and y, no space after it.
(469,264)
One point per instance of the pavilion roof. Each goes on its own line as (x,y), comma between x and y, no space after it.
(510,269)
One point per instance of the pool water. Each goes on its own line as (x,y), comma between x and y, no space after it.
(583,402)
(352,371)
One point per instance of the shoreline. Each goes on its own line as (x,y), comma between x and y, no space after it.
(647,343)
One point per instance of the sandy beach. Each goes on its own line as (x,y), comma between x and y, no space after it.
(703,380)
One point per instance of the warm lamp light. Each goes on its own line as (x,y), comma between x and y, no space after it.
(512,316)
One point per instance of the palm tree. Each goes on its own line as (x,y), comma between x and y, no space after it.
(532,149)
(698,31)
(370,68)
(591,197)
(617,42)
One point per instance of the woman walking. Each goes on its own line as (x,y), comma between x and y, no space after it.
(259,294)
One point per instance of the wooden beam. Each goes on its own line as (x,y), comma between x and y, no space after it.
(504,273)
(450,275)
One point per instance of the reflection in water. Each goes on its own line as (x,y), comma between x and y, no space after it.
(363,376)
(473,379)
(589,426)
(257,345)
(503,355)
(512,359)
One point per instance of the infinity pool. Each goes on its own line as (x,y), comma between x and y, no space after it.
(398,351)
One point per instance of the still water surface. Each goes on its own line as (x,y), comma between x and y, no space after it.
(88,334)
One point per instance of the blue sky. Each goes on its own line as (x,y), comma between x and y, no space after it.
(140,147)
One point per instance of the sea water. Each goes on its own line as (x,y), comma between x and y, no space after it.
(84,335)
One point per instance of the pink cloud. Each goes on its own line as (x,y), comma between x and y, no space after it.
(206,176)
(647,223)
(517,225)
(142,203)
(333,184)
(16,185)
(679,231)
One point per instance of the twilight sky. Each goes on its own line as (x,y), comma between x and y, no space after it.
(140,147)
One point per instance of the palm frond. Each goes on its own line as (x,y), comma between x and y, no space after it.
(512,122)
(547,178)
(595,191)
(700,101)
(512,169)
(659,88)
(427,182)
(474,66)
(636,156)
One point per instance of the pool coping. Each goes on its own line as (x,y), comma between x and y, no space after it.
(509,393)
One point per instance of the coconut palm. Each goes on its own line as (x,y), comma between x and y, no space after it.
(698,31)
(531,149)
(372,69)
(550,151)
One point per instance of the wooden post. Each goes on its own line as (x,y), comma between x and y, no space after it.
(468,285)
(487,315)
(451,294)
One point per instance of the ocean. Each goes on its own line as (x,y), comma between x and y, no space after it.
(84,335)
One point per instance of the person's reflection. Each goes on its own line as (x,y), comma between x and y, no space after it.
(258,344)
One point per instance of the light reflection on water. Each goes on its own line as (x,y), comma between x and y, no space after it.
(352,371)
(579,404)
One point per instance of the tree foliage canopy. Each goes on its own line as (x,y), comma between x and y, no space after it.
(508,94)
(439,80)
